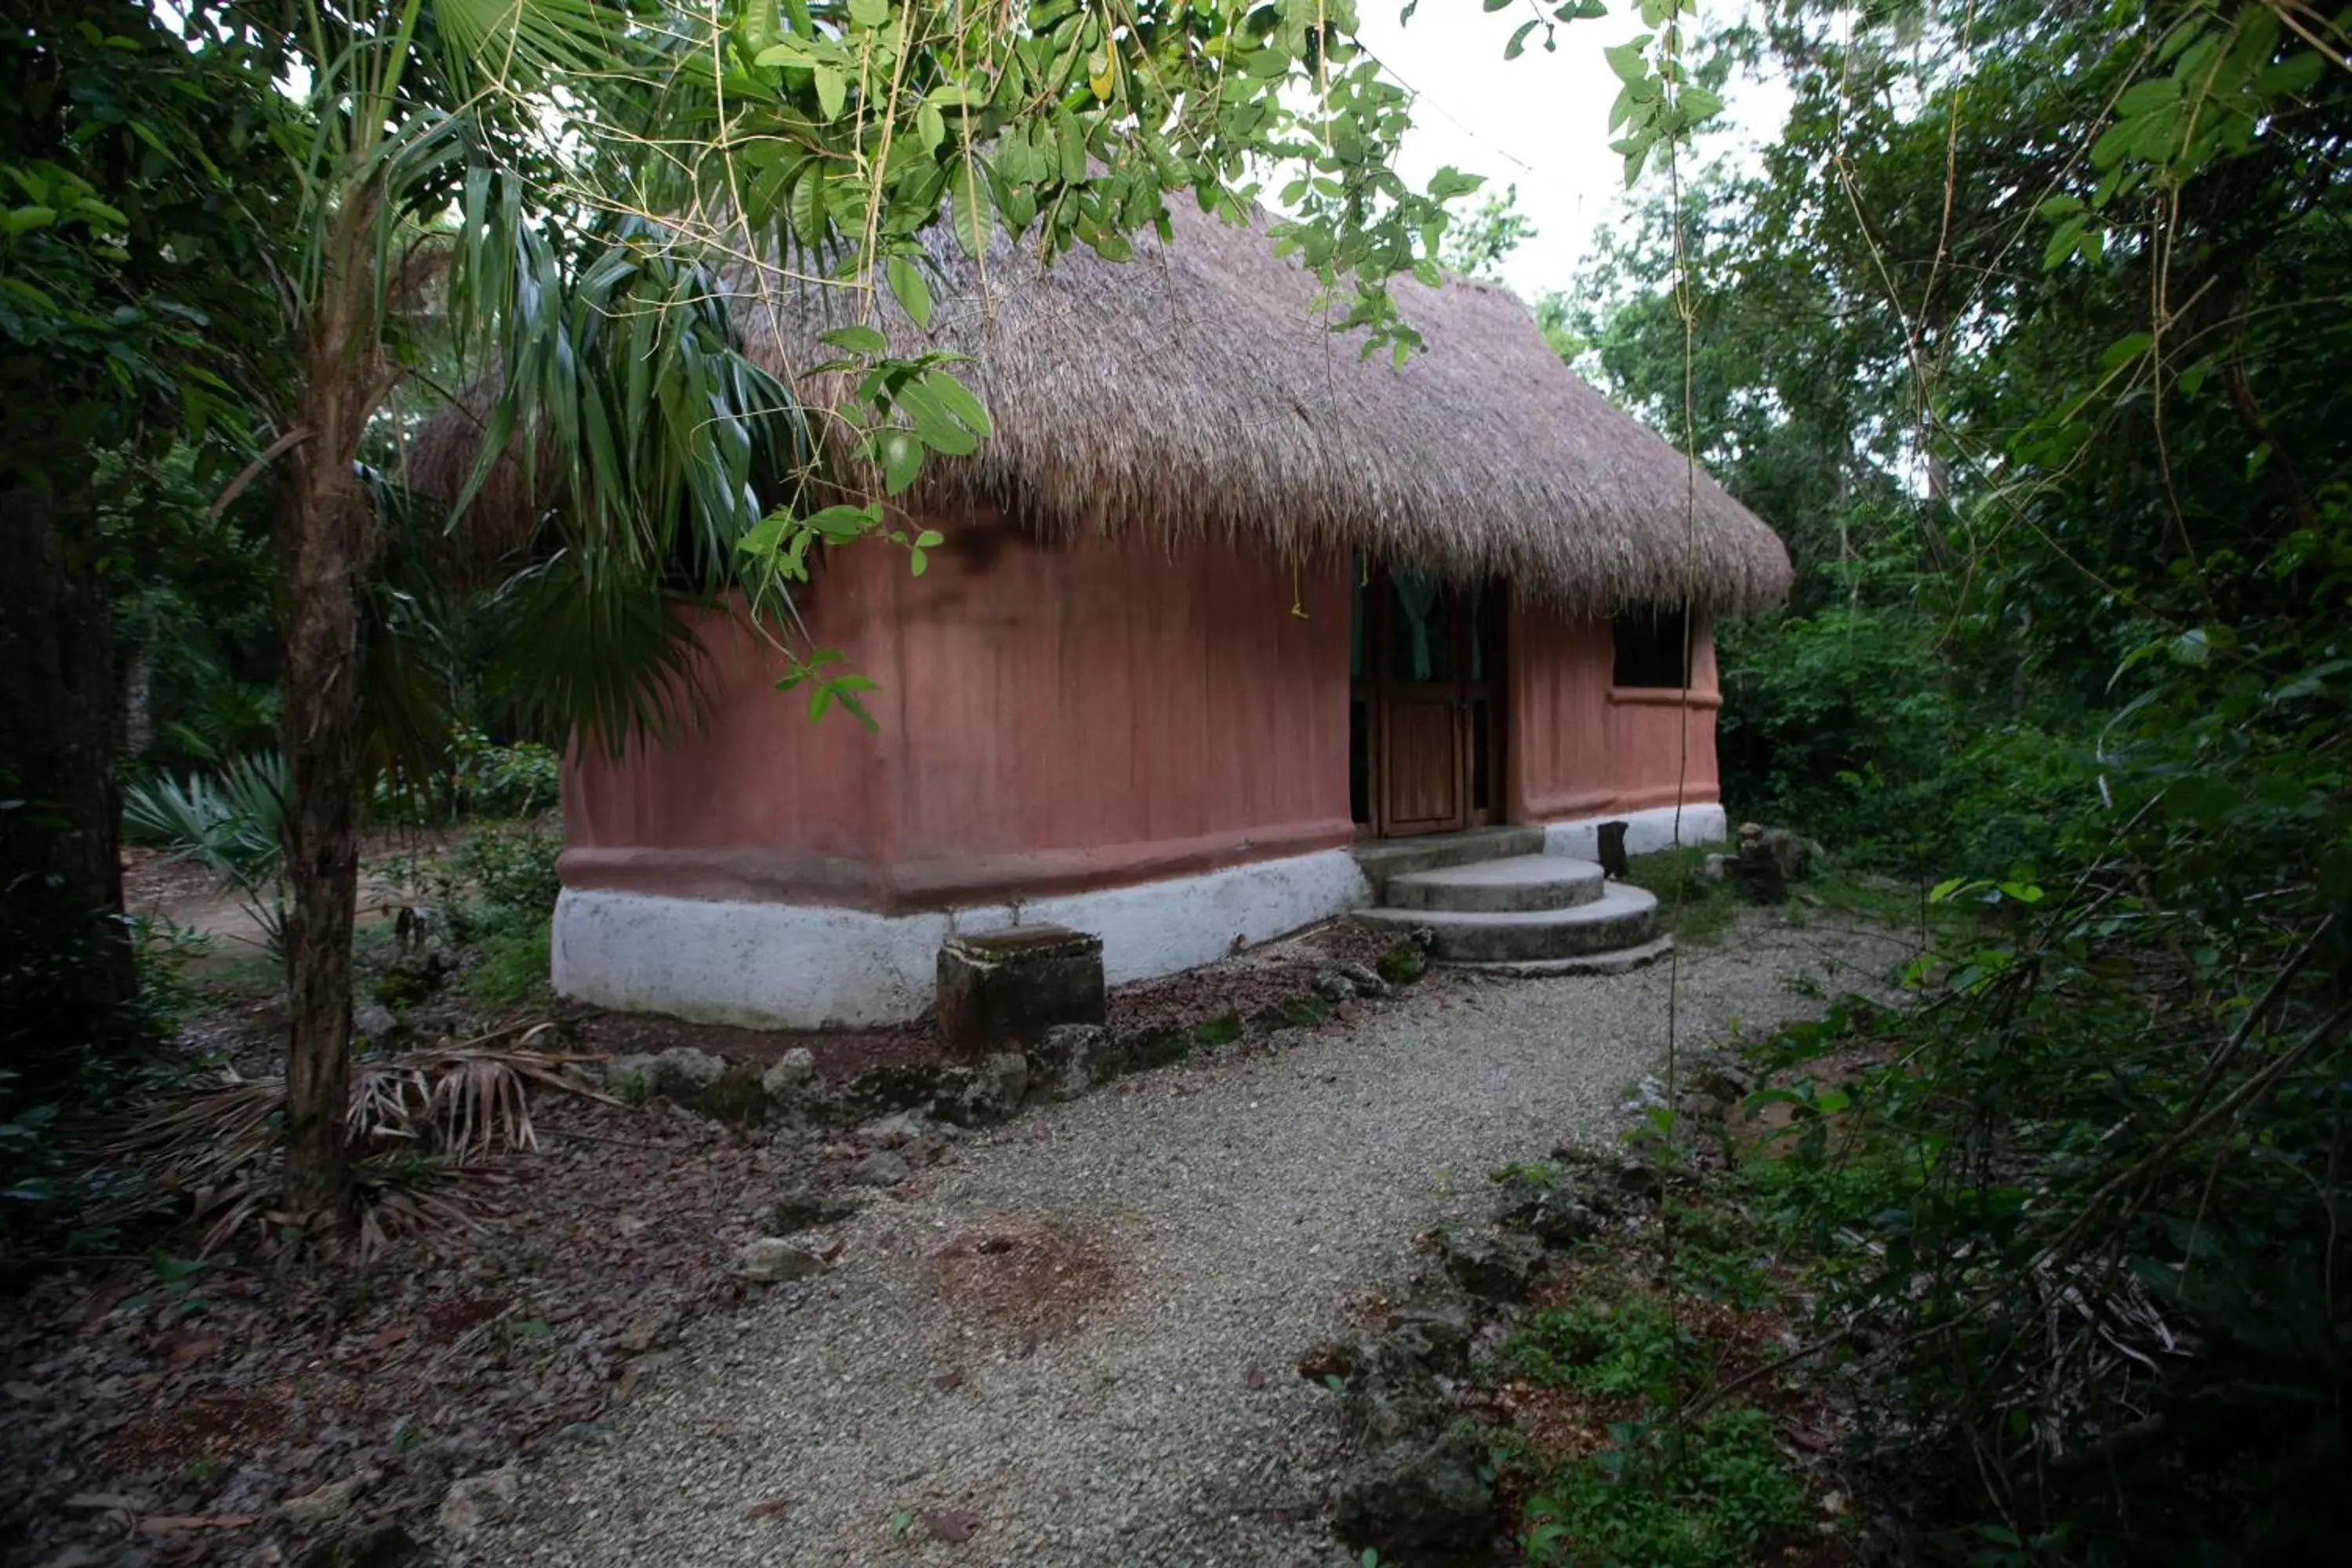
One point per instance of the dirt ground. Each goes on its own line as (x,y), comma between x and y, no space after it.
(162,886)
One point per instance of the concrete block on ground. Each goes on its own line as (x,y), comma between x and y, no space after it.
(1007,988)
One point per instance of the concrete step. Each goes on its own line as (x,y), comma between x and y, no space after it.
(1622,916)
(1385,857)
(1520,883)
(1616,961)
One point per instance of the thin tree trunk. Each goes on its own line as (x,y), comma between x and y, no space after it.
(71,980)
(327,531)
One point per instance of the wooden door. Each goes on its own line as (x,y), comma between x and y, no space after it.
(1421,709)
(1423,741)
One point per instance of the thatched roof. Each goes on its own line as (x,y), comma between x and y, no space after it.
(1192,390)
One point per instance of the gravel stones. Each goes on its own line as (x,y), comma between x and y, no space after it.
(1249,1201)
(476,1501)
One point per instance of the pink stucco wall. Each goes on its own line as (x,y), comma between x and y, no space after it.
(1049,718)
(1058,718)
(1581,747)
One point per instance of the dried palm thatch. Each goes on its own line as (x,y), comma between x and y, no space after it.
(417,1120)
(1195,390)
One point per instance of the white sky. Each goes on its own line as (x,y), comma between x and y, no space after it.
(1540,121)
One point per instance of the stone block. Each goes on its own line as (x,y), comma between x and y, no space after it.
(1005,989)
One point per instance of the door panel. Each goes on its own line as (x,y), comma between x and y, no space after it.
(1423,774)
(1422,665)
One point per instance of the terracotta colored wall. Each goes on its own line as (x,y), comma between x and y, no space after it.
(1580,747)
(1050,719)
(758,802)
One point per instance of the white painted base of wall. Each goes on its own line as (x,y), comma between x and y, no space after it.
(1655,829)
(806,966)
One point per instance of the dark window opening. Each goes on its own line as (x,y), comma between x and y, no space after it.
(1653,647)
(1359,761)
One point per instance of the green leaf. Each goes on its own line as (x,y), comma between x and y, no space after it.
(2125,349)
(1698,103)
(1518,43)
(930,125)
(843,525)
(832,91)
(857,339)
(1629,60)
(1071,142)
(938,429)
(2063,244)
(970,213)
(787,52)
(2141,98)
(869,12)
(959,400)
(902,460)
(21,220)
(907,287)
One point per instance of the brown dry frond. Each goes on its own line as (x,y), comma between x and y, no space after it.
(219,1147)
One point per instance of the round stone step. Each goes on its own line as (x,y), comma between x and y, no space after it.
(1622,917)
(1512,885)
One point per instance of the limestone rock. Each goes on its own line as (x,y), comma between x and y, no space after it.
(1334,986)
(1793,855)
(794,1088)
(995,1091)
(375,1021)
(683,1073)
(326,1502)
(771,1260)
(806,1208)
(1431,1493)
(878,1091)
(633,1076)
(474,1501)
(1069,1060)
(882,1168)
(1365,979)
(1551,1209)
(385,1546)
(895,1131)
(1499,1267)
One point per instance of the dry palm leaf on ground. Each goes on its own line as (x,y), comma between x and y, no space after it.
(418,1122)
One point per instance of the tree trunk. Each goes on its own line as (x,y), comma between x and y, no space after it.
(70,980)
(327,533)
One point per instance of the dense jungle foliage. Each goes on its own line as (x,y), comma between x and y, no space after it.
(2030,333)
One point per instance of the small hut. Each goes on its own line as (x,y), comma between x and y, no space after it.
(1222,600)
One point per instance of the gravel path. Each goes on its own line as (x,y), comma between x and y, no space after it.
(1210,1224)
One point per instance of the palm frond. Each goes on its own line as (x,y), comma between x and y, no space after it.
(421,1117)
